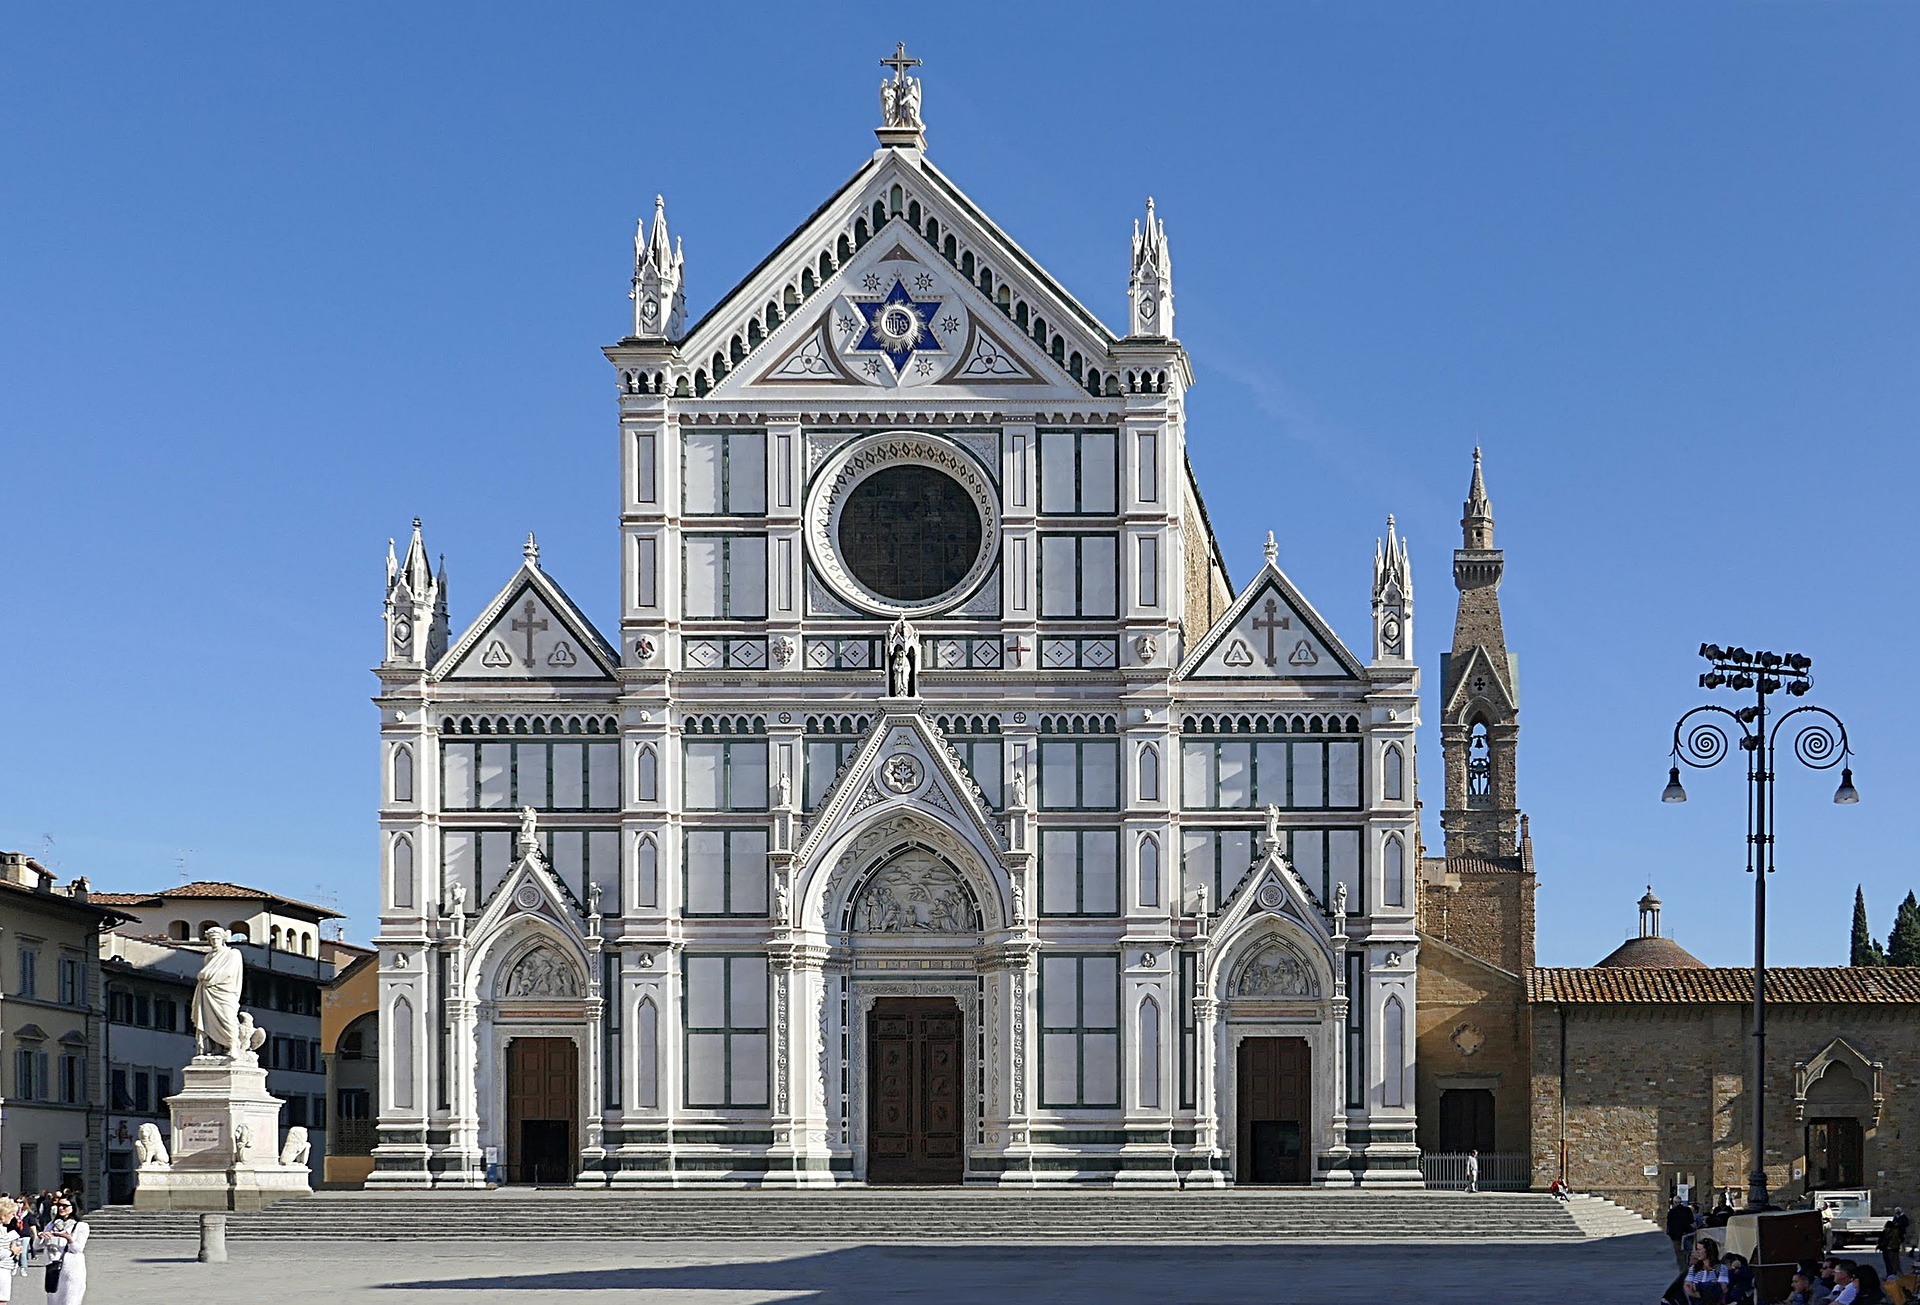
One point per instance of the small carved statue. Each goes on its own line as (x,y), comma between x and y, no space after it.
(593,899)
(900,102)
(1340,900)
(903,660)
(782,903)
(785,789)
(1019,786)
(529,839)
(1273,831)
(457,897)
(244,1052)
(242,1138)
(297,1147)
(149,1149)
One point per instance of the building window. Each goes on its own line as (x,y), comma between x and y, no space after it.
(166,1015)
(724,473)
(1149,773)
(1077,472)
(29,972)
(1149,1054)
(1393,871)
(1213,859)
(1835,1151)
(73,1080)
(724,776)
(646,769)
(1393,1053)
(1147,468)
(119,1006)
(825,757)
(647,872)
(403,774)
(1079,1031)
(985,760)
(725,1016)
(1479,766)
(119,1089)
(142,1091)
(1327,858)
(1356,1030)
(352,1104)
(724,577)
(725,872)
(1079,872)
(646,571)
(1079,775)
(1149,887)
(544,776)
(1079,575)
(1237,774)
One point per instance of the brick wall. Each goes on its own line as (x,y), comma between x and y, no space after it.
(1665,1086)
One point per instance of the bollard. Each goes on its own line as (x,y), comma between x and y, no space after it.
(213,1239)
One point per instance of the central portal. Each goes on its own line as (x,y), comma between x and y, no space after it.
(543,1100)
(1273,1132)
(915,1051)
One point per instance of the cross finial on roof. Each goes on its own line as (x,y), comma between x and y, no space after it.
(531,550)
(1272,550)
(900,62)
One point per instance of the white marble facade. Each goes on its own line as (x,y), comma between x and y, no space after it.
(1021,749)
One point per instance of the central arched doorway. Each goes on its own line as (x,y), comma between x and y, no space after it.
(917,1049)
(543,1091)
(1274,1084)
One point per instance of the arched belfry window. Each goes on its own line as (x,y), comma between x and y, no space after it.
(1479,766)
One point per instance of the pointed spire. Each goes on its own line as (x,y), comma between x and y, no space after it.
(1392,573)
(1150,285)
(659,276)
(1476,525)
(414,572)
(531,550)
(393,562)
(1272,550)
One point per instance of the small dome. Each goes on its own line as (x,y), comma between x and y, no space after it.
(1653,954)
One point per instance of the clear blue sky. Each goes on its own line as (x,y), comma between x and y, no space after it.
(277,279)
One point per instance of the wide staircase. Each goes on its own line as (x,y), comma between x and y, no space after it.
(866,1214)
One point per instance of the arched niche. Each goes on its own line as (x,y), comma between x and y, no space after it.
(828,885)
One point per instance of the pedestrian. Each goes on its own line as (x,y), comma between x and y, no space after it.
(1473,1171)
(1846,1284)
(1902,1227)
(13,1253)
(1706,1275)
(1870,1292)
(1679,1228)
(66,1242)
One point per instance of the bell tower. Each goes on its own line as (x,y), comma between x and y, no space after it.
(1480,697)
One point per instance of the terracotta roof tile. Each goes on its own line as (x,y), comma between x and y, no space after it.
(214,888)
(1809,985)
(1652,954)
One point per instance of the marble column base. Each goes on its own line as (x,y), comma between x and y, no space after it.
(226,1136)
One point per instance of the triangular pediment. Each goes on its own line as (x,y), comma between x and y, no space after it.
(528,888)
(900,283)
(1479,680)
(1271,633)
(904,763)
(530,631)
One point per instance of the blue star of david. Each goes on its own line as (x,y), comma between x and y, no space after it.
(898,326)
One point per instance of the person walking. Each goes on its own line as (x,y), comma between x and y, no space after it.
(1679,1228)
(66,1242)
(1473,1171)
(13,1252)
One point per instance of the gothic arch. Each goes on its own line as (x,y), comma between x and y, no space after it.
(832,881)
(492,959)
(1837,1062)
(1236,953)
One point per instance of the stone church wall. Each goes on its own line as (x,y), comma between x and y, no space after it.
(1473,1031)
(1664,1087)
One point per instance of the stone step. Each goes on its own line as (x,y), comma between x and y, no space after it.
(893,1215)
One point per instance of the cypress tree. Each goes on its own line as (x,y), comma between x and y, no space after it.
(1865,950)
(1903,944)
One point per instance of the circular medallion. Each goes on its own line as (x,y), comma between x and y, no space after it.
(903,525)
(527,897)
(902,772)
(1270,896)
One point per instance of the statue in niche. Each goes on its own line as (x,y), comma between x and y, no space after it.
(542,974)
(1019,786)
(785,789)
(593,899)
(903,660)
(528,841)
(1276,972)
(1340,899)
(914,895)
(457,898)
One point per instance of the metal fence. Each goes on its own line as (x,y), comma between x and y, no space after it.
(1499,1171)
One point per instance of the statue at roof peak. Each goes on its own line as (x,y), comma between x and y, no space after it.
(900,94)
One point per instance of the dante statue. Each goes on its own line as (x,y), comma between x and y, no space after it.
(216,1000)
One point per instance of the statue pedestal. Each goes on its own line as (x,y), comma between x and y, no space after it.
(226,1131)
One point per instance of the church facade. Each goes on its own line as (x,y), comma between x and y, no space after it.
(934,809)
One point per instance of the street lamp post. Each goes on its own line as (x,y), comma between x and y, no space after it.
(1819,742)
